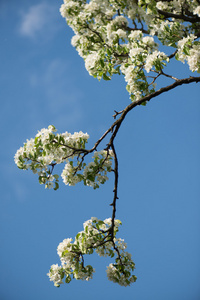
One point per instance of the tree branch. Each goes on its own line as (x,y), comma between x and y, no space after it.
(116,125)
(173,54)
(115,191)
(192,19)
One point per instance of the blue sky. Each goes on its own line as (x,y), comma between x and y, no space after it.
(44,81)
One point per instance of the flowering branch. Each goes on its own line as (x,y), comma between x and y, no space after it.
(109,45)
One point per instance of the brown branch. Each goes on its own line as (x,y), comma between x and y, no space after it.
(192,19)
(103,242)
(72,148)
(113,204)
(115,126)
(173,54)
(164,74)
(114,129)
(117,113)
(136,28)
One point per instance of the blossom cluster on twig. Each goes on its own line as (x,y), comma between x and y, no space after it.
(42,153)
(97,237)
(121,37)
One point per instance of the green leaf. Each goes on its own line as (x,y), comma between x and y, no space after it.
(134,277)
(105,77)
(101,222)
(77,265)
(102,63)
(117,70)
(77,236)
(42,179)
(111,253)
(56,186)
(109,52)
(36,139)
(144,103)
(90,251)
(120,222)
(68,279)
(91,177)
(62,274)
(47,147)
(65,252)
(167,28)
(186,50)
(21,159)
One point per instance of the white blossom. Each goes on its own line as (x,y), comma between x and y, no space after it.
(96,236)
(55,275)
(100,42)
(91,61)
(197,11)
(152,58)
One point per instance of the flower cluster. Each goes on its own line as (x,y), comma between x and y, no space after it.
(47,149)
(118,37)
(189,50)
(99,236)
(120,272)
(94,173)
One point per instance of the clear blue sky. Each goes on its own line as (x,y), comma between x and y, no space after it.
(43,81)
